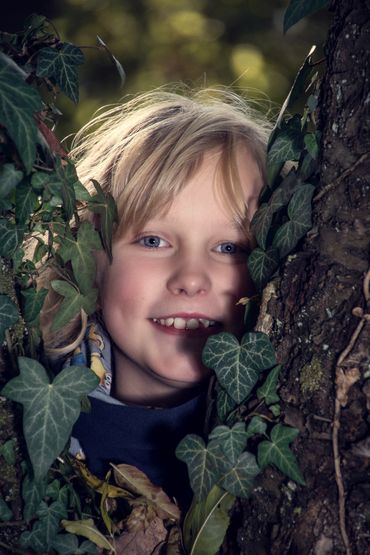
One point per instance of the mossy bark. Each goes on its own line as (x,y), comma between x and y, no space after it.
(307,312)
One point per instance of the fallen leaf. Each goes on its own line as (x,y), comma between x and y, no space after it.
(142,542)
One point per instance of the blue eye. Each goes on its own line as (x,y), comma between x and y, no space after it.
(152,242)
(228,248)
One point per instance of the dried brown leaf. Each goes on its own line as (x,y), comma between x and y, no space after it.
(142,542)
(344,381)
(133,479)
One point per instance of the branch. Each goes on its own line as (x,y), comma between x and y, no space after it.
(340,178)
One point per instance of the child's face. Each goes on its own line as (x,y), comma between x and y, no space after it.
(173,284)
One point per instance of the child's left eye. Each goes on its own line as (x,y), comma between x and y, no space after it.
(152,242)
(229,248)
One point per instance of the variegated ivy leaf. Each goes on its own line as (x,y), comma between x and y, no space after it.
(49,409)
(299,212)
(262,264)
(60,64)
(238,366)
(261,224)
(225,404)
(8,315)
(277,452)
(33,302)
(206,464)
(256,426)
(79,252)
(72,303)
(267,391)
(11,236)
(239,479)
(232,440)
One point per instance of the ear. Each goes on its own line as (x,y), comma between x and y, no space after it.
(102,261)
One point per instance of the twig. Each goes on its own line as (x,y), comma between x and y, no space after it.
(342,176)
(336,426)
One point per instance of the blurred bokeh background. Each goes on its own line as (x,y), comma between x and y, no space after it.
(237,43)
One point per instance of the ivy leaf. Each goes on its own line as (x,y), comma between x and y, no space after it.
(49,409)
(60,65)
(11,236)
(299,212)
(286,145)
(104,205)
(205,463)
(66,187)
(32,494)
(78,251)
(8,315)
(25,202)
(311,145)
(45,529)
(225,403)
(262,264)
(267,391)
(9,179)
(67,544)
(298,9)
(238,366)
(5,512)
(278,453)
(275,409)
(256,426)
(206,523)
(261,223)
(232,440)
(18,102)
(87,529)
(7,450)
(72,303)
(34,300)
(239,479)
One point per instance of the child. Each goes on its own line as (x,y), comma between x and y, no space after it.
(186,173)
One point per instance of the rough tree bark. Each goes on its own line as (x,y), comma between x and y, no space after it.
(308,313)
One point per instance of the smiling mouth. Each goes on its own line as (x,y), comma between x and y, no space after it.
(185,323)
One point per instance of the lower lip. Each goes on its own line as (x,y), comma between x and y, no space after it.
(198,332)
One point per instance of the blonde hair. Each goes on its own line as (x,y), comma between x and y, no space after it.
(144,151)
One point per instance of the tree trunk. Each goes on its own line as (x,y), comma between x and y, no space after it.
(308,311)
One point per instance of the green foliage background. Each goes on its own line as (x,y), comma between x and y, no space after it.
(234,42)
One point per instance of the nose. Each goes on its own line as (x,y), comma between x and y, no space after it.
(189,277)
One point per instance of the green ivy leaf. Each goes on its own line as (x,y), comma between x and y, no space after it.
(49,409)
(205,463)
(60,64)
(225,404)
(8,315)
(239,479)
(32,494)
(78,251)
(53,489)
(25,202)
(298,9)
(286,145)
(104,205)
(256,426)
(206,523)
(275,409)
(311,145)
(278,453)
(72,304)
(7,450)
(5,512)
(45,529)
(9,179)
(67,544)
(11,236)
(262,264)
(232,440)
(34,300)
(261,224)
(267,391)
(66,188)
(238,366)
(299,212)
(18,102)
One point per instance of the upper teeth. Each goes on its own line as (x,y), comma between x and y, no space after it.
(182,323)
